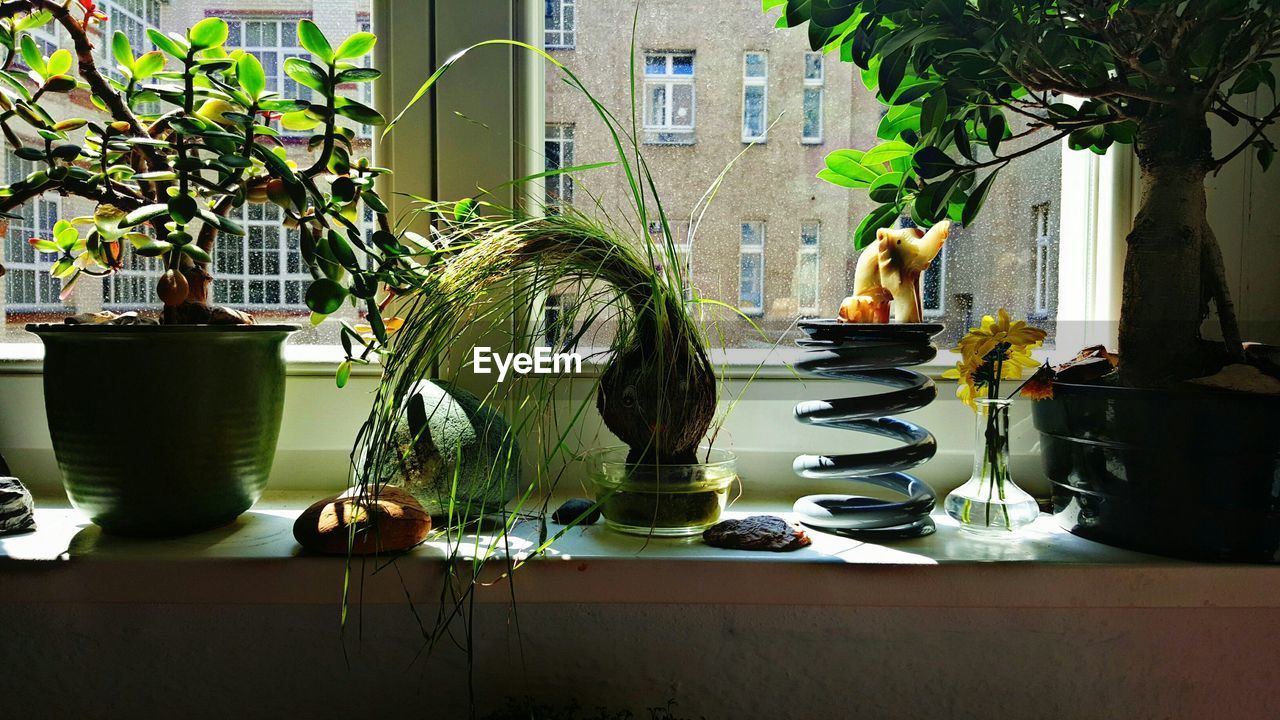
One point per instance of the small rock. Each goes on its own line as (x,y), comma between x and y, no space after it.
(390,522)
(17,510)
(572,510)
(758,532)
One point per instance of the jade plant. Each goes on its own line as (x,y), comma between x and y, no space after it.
(179,139)
(973,85)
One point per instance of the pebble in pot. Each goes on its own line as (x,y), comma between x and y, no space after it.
(451,432)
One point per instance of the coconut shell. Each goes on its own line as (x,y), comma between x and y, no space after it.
(390,522)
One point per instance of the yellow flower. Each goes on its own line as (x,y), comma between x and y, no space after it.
(997,330)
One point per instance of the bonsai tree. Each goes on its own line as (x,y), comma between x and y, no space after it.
(181,141)
(955,74)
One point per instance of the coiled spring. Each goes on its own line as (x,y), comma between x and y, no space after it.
(874,354)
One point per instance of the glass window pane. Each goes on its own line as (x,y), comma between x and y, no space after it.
(753,111)
(682,65)
(755,65)
(682,105)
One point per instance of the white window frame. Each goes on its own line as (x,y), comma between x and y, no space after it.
(666,132)
(939,262)
(132,287)
(558,189)
(756,250)
(563,36)
(39,217)
(1041,214)
(804,252)
(816,84)
(760,82)
(285,251)
(277,80)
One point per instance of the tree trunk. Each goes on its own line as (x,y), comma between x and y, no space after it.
(1165,278)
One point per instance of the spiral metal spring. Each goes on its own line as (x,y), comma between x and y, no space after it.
(871,354)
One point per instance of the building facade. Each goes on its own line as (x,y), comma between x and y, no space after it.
(716,81)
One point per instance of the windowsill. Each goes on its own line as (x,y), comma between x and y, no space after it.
(256,560)
(300,360)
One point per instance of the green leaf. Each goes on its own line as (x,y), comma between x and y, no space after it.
(109,219)
(314,41)
(933,112)
(344,373)
(885,188)
(65,235)
(122,50)
(996,128)
(892,70)
(898,119)
(1252,77)
(182,208)
(250,75)
(359,112)
(848,164)
(148,64)
(222,222)
(341,251)
(144,213)
(32,57)
(208,33)
(307,73)
(284,106)
(357,75)
(930,162)
(886,151)
(1266,153)
(166,43)
(325,296)
(59,63)
(881,217)
(299,121)
(977,199)
(355,46)
(195,252)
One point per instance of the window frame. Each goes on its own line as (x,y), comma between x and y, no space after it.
(750,82)
(667,133)
(563,184)
(561,31)
(45,211)
(814,251)
(817,85)
(758,251)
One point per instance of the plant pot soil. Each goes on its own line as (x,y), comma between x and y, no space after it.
(1184,472)
(163,429)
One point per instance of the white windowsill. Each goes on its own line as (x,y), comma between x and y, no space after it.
(256,560)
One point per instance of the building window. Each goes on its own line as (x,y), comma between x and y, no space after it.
(805,284)
(751,269)
(272,40)
(558,151)
(263,269)
(681,244)
(1044,258)
(131,17)
(561,23)
(365,92)
(132,286)
(669,100)
(814,78)
(755,96)
(933,286)
(27,284)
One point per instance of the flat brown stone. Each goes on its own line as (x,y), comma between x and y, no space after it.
(758,532)
(389,522)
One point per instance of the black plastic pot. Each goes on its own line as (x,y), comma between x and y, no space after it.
(163,429)
(1190,473)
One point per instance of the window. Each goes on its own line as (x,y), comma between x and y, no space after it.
(680,240)
(561,23)
(365,89)
(804,285)
(264,269)
(669,98)
(131,17)
(134,286)
(814,78)
(755,96)
(1040,217)
(28,287)
(272,40)
(751,269)
(559,154)
(933,286)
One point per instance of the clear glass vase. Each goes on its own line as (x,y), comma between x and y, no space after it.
(990,503)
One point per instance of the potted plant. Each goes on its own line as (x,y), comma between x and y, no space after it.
(1139,457)
(165,157)
(658,390)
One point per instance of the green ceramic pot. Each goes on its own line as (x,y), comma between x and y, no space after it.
(163,429)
